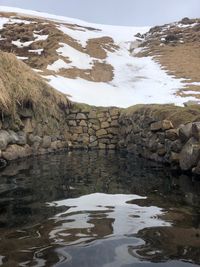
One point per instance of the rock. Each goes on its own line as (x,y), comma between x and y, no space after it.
(174,157)
(102,146)
(13,137)
(46,142)
(83,123)
(171,134)
(28,127)
(105,125)
(93,139)
(81,116)
(92,114)
(176,146)
(22,138)
(72,123)
(185,132)
(161,125)
(77,130)
(101,132)
(4,139)
(114,123)
(114,112)
(71,117)
(15,151)
(196,130)
(190,154)
(94,144)
(3,163)
(111,147)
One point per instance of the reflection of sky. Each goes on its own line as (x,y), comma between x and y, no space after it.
(126,218)
(129,12)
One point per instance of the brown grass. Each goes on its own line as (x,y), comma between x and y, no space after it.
(21,87)
(180,57)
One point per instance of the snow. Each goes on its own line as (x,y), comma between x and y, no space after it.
(22,58)
(20,44)
(136,80)
(78,59)
(37,51)
(127,218)
(3,21)
(57,65)
(40,37)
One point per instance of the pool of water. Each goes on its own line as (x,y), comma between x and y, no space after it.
(97,209)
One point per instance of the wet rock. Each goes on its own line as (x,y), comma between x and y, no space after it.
(190,154)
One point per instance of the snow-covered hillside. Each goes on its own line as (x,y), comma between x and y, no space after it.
(90,62)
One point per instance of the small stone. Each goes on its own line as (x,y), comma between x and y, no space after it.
(81,116)
(46,142)
(72,123)
(114,112)
(105,124)
(114,123)
(161,125)
(101,132)
(172,134)
(83,123)
(92,114)
(102,146)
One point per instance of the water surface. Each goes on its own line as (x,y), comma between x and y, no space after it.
(97,209)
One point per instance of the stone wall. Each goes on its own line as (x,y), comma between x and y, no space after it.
(153,137)
(93,128)
(166,134)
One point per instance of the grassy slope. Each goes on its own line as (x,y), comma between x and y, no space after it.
(20,87)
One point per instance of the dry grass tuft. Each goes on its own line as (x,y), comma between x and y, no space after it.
(20,87)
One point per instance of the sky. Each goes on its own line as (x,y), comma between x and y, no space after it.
(115,12)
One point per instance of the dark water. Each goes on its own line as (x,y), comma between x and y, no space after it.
(97,209)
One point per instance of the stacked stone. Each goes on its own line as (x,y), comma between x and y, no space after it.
(96,128)
(160,141)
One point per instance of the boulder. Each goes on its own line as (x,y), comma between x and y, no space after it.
(190,154)
(16,151)
(4,139)
(185,132)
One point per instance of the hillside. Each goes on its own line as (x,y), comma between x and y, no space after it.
(99,64)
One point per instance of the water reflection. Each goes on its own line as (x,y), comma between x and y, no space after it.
(94,216)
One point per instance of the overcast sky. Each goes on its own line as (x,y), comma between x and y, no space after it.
(118,12)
